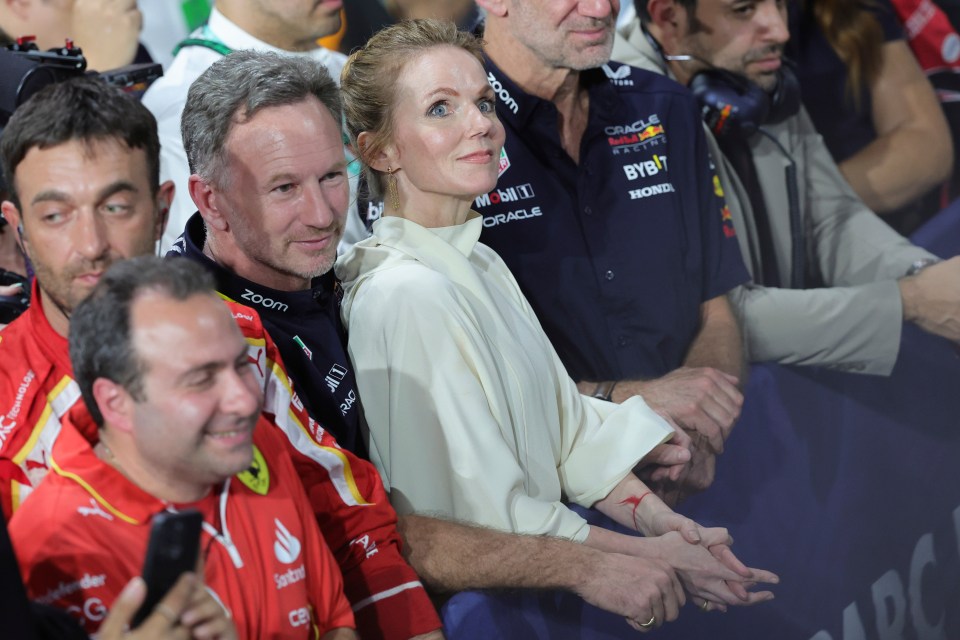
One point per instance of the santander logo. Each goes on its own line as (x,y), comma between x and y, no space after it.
(286,546)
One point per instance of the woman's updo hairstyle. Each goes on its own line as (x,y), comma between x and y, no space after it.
(369,78)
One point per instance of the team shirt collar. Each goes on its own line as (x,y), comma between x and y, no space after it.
(53,346)
(74,459)
(517,107)
(418,241)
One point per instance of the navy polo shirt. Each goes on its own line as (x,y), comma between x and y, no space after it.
(615,254)
(306,327)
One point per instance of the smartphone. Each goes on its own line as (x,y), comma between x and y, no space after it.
(171,552)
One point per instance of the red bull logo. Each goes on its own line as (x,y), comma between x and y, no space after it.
(635,135)
(624,140)
(652,131)
(648,134)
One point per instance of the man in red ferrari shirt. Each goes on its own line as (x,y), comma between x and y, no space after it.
(156,434)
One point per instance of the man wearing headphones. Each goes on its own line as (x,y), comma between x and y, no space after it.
(832,284)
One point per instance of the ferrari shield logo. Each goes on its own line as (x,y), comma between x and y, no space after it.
(257,477)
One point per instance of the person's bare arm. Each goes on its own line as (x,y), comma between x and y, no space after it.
(713,371)
(913,151)
(451,557)
(718,344)
(342,633)
(108,31)
(701,556)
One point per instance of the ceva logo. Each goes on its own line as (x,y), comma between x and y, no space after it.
(286,547)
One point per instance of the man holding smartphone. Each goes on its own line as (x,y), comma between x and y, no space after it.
(160,434)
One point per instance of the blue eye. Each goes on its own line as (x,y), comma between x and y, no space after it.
(487,106)
(439,110)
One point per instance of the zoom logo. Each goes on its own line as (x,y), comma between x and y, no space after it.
(267,303)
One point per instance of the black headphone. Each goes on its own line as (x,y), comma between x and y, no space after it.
(734,105)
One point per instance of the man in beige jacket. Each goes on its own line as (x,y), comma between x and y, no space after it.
(862,280)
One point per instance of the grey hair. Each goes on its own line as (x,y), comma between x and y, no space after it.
(234,89)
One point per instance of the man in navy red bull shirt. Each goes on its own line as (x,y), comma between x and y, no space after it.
(609,216)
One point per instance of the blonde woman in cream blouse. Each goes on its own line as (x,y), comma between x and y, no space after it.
(471,414)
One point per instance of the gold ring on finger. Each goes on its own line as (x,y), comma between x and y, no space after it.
(705,606)
(649,623)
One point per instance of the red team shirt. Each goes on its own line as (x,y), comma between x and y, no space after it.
(345,492)
(84,532)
